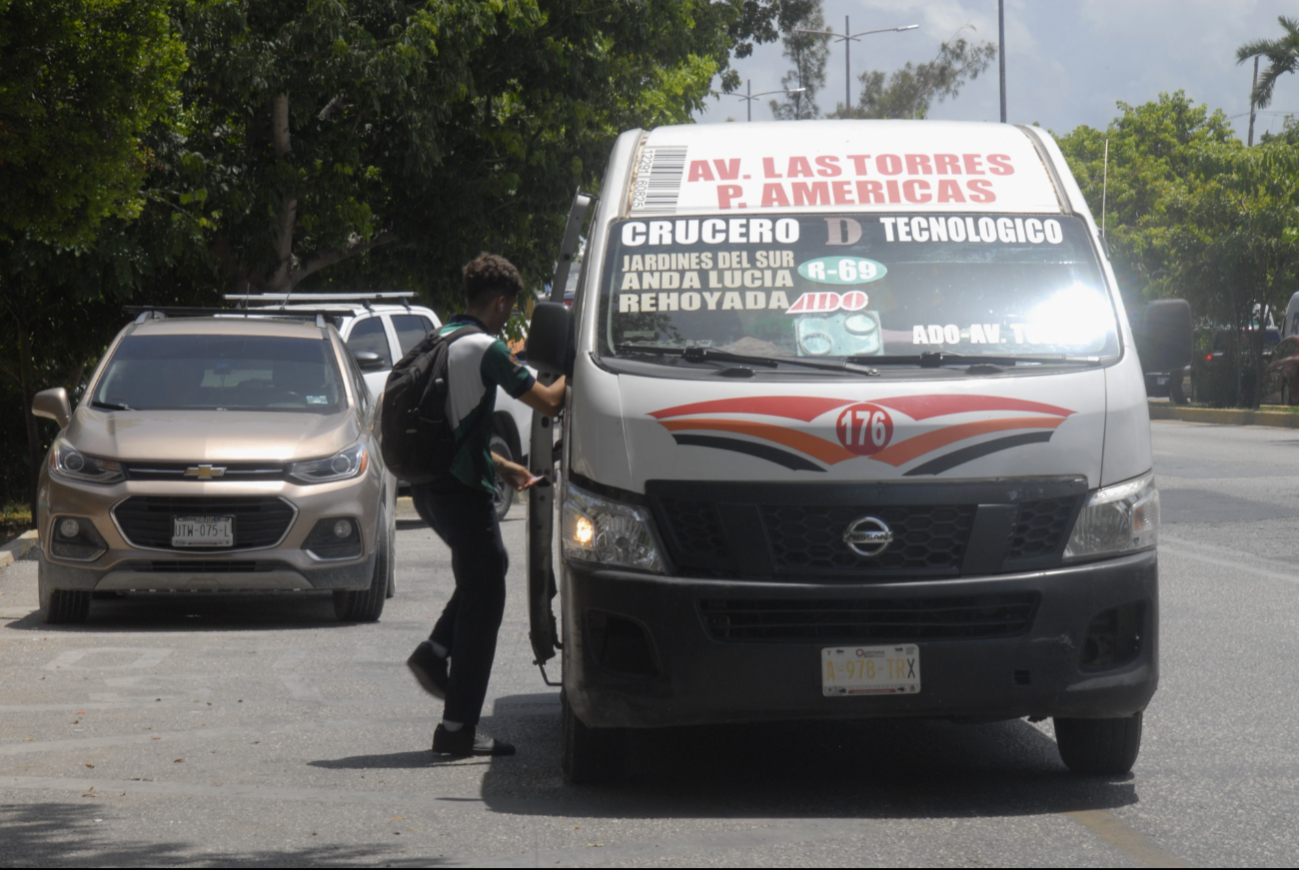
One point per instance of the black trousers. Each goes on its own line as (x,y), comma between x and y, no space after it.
(465,519)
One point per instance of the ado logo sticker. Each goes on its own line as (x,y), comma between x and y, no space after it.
(865,429)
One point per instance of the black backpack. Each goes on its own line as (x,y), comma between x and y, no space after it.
(418,440)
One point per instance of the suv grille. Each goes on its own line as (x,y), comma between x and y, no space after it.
(259,521)
(235,472)
(1039,527)
(862,620)
(810,539)
(206,566)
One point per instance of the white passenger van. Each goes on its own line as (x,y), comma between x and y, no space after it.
(856,429)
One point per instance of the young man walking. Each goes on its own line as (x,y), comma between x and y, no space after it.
(455,663)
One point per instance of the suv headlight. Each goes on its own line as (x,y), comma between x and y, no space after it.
(1117,519)
(597,529)
(345,463)
(67,461)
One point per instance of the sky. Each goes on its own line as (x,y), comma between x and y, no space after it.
(1068,62)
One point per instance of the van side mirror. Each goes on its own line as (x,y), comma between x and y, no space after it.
(1167,336)
(548,344)
(368,360)
(52,405)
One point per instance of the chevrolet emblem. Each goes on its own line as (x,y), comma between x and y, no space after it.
(205,472)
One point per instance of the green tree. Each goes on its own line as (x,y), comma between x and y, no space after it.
(807,52)
(910,91)
(1282,56)
(80,82)
(1152,151)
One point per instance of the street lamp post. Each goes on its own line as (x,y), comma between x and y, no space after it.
(749,96)
(846,37)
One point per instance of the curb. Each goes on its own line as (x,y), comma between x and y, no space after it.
(406,509)
(18,547)
(1224,416)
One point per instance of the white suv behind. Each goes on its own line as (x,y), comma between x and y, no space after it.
(380,328)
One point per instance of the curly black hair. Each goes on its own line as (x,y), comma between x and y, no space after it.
(490,274)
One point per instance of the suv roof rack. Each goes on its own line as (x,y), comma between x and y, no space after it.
(158,312)
(244,299)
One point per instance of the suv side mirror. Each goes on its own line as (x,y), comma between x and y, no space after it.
(1167,338)
(52,405)
(368,360)
(548,345)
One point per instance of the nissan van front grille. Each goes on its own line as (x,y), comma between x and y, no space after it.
(869,620)
(810,540)
(1039,528)
(259,521)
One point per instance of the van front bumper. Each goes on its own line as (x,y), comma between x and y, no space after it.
(688,675)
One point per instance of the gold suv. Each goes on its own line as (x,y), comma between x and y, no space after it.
(217,453)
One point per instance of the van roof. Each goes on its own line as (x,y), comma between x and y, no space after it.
(837,166)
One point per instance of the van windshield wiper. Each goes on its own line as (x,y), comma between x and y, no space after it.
(708,354)
(932,359)
(110,406)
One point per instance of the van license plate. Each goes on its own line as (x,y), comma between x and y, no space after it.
(202,531)
(870,670)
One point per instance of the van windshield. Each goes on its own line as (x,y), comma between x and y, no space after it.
(221,372)
(863,286)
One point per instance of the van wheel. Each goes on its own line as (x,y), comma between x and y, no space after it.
(366,605)
(1099,746)
(60,605)
(504,495)
(591,755)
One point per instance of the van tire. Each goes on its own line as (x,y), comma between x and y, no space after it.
(366,605)
(1098,747)
(504,496)
(61,606)
(591,755)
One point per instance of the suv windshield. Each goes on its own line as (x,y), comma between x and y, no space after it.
(225,372)
(864,286)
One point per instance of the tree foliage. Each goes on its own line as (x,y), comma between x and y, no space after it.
(80,82)
(807,52)
(910,91)
(1282,56)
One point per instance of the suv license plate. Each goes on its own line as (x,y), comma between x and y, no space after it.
(870,670)
(202,531)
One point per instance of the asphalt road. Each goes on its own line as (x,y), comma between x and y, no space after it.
(239,731)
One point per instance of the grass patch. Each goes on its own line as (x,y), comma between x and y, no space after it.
(14,520)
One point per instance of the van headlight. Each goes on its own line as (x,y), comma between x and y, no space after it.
(66,461)
(1117,519)
(346,463)
(597,529)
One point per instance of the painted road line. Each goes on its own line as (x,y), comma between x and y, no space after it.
(1130,842)
(1225,557)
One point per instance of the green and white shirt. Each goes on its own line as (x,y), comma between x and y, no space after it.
(476,366)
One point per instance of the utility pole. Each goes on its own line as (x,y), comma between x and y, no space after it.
(1001,52)
(1250,143)
(749,96)
(846,37)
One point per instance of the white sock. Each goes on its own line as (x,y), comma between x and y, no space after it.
(453,727)
(439,649)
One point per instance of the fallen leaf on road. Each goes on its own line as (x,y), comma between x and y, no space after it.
(155,737)
(399,818)
(28,739)
(209,703)
(89,765)
(90,793)
(81,712)
(178,761)
(594,845)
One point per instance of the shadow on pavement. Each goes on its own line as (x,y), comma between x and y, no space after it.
(69,835)
(143,612)
(865,769)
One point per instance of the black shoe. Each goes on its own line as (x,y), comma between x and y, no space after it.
(467,741)
(430,669)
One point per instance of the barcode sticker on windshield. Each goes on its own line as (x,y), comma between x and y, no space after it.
(658,180)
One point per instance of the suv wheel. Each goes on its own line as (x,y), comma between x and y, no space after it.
(61,605)
(366,605)
(504,495)
(1099,746)
(591,755)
